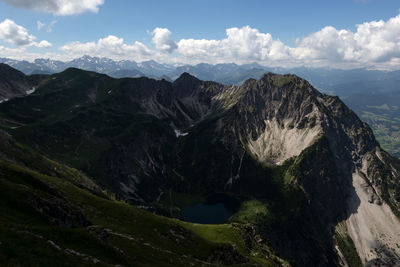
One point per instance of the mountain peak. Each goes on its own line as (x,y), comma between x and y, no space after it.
(275,80)
(185,78)
(279,77)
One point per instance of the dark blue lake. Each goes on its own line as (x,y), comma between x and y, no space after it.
(216,209)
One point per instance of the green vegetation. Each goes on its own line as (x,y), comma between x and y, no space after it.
(282,80)
(218,234)
(251,211)
(346,246)
(381,111)
(386,129)
(99,228)
(81,119)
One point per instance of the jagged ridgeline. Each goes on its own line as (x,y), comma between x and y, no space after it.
(311,183)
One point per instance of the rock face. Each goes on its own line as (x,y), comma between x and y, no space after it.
(305,154)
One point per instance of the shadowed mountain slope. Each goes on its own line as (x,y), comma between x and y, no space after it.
(307,160)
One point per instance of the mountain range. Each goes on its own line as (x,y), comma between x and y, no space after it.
(365,91)
(308,183)
(335,81)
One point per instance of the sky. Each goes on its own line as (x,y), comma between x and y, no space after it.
(284,33)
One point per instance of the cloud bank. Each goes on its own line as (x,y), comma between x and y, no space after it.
(58,7)
(374,44)
(110,46)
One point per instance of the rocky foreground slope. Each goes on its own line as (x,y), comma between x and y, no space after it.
(329,193)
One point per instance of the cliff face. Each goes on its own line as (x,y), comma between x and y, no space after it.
(307,157)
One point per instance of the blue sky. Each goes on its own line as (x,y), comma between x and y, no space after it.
(285,32)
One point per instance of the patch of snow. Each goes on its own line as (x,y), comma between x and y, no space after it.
(4,100)
(31,91)
(178,133)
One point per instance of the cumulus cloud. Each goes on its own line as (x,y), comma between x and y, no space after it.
(162,40)
(18,35)
(43,44)
(373,42)
(110,46)
(241,45)
(58,7)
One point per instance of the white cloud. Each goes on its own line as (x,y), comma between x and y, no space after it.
(40,25)
(15,34)
(11,51)
(51,25)
(373,43)
(18,35)
(111,46)
(58,7)
(241,45)
(162,40)
(43,44)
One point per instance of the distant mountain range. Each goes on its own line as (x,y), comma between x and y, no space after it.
(335,81)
